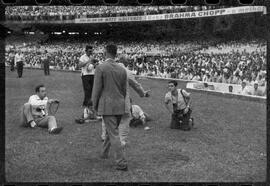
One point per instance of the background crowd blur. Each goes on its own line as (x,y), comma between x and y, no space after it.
(24,13)
(228,62)
(226,49)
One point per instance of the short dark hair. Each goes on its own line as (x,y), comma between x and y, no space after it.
(38,87)
(173,82)
(88,47)
(230,88)
(111,49)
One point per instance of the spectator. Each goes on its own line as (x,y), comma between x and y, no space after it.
(52,13)
(219,63)
(244,90)
(255,91)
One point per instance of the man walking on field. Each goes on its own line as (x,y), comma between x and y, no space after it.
(109,94)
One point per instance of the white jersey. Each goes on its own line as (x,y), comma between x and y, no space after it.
(86,70)
(137,112)
(36,102)
(18,57)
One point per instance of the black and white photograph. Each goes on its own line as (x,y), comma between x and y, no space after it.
(135,93)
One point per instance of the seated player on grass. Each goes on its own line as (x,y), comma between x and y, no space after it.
(35,112)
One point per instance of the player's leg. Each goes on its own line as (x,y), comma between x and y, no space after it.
(50,123)
(11,66)
(135,122)
(147,117)
(45,69)
(91,84)
(18,69)
(185,122)
(87,96)
(90,104)
(21,69)
(146,120)
(84,82)
(174,121)
(48,69)
(26,115)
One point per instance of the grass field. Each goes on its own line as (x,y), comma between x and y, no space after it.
(227,145)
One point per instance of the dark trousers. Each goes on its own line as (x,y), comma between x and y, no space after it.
(180,120)
(88,82)
(12,66)
(46,69)
(20,69)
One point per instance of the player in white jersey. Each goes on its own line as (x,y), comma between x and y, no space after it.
(87,64)
(19,61)
(35,112)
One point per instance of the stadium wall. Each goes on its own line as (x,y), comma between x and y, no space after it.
(211,92)
(188,87)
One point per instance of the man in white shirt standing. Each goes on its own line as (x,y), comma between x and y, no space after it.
(244,90)
(87,64)
(255,90)
(19,63)
(35,112)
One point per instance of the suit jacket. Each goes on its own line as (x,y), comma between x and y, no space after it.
(110,87)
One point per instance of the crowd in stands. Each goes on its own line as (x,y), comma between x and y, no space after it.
(51,13)
(228,62)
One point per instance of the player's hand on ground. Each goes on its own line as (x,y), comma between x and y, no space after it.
(33,124)
(146,93)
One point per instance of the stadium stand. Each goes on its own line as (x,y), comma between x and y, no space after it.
(211,49)
(230,62)
(35,13)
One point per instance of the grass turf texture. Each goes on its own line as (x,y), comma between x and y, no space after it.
(228,144)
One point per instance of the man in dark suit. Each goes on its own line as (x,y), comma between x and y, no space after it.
(46,63)
(109,93)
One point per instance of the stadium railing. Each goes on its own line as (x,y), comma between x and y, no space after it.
(260,99)
(189,86)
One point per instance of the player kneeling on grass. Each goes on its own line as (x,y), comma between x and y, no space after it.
(139,118)
(180,100)
(35,112)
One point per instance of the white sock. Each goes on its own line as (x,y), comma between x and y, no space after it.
(85,113)
(52,128)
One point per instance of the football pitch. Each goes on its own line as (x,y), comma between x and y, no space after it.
(228,143)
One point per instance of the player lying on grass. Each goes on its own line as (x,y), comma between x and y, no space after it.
(181,112)
(35,112)
(139,117)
